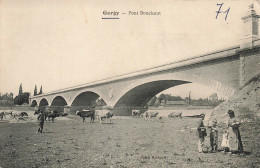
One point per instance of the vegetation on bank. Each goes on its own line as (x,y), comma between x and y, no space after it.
(170,100)
(8,99)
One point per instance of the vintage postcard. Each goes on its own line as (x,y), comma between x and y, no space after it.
(132,83)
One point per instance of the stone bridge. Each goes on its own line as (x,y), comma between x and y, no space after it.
(225,71)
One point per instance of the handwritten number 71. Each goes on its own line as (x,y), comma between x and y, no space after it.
(219,11)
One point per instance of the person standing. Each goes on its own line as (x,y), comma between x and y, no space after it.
(41,119)
(213,136)
(201,133)
(234,138)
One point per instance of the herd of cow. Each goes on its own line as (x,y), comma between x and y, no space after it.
(148,115)
(21,115)
(108,114)
(13,114)
(98,115)
(50,114)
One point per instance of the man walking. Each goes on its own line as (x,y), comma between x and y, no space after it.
(41,119)
(201,132)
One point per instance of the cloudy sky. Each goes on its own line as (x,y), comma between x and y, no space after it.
(62,43)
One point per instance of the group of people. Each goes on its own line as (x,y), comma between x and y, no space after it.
(231,142)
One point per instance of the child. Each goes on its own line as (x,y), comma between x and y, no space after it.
(225,143)
(214,136)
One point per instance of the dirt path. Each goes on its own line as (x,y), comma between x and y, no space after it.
(128,142)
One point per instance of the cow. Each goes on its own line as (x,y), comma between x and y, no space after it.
(101,114)
(86,113)
(19,114)
(7,112)
(51,114)
(175,115)
(64,114)
(45,113)
(37,111)
(135,112)
(148,115)
(2,114)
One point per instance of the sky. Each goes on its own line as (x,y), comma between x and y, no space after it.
(63,43)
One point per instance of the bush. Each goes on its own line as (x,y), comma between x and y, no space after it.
(6,103)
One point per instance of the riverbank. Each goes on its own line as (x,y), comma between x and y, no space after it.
(128,142)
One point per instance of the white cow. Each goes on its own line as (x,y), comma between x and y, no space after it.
(6,112)
(101,114)
(19,114)
(148,115)
(175,115)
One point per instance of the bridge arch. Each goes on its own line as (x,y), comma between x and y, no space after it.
(93,94)
(158,83)
(59,101)
(34,103)
(43,102)
(141,94)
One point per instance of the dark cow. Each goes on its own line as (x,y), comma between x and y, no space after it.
(86,113)
(2,114)
(51,114)
(23,114)
(45,113)
(64,114)
(135,112)
(37,111)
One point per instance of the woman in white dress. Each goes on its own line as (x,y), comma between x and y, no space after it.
(234,138)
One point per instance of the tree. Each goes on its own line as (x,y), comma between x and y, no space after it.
(11,95)
(161,97)
(6,99)
(22,98)
(40,90)
(20,89)
(35,91)
(213,97)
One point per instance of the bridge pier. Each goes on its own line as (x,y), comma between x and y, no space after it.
(67,109)
(249,47)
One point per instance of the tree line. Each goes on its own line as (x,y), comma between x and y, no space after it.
(212,100)
(8,99)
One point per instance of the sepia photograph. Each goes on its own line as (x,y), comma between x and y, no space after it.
(129,83)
